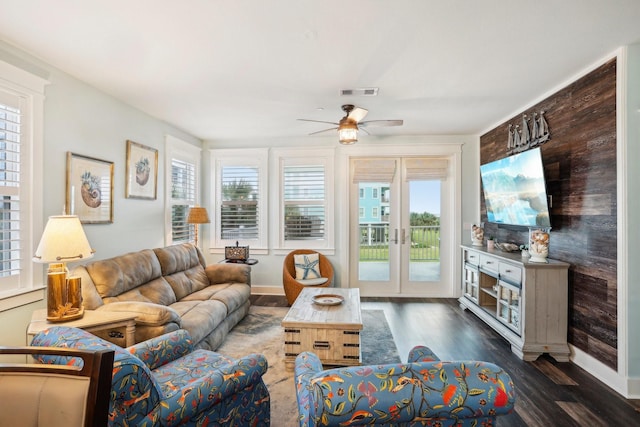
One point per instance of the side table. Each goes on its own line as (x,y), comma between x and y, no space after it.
(118,328)
(248,261)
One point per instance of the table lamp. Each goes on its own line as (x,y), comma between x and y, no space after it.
(198,215)
(63,240)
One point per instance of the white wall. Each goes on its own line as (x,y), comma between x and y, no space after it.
(83,120)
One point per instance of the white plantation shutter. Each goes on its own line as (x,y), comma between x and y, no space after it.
(240,190)
(21,185)
(183,195)
(304,202)
(10,186)
(240,206)
(305,191)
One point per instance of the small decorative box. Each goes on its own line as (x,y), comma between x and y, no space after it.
(236,253)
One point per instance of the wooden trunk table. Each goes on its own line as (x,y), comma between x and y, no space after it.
(330,331)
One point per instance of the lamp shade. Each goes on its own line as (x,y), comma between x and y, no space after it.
(198,215)
(63,240)
(347,132)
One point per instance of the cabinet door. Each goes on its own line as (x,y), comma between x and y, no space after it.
(509,305)
(471,282)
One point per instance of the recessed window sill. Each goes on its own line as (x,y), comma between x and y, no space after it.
(20,298)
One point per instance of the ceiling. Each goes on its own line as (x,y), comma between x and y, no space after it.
(227,69)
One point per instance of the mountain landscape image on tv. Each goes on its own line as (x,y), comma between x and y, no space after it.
(514,190)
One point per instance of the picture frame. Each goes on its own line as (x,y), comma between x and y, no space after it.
(89,186)
(142,172)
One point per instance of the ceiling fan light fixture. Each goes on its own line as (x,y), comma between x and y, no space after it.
(347,132)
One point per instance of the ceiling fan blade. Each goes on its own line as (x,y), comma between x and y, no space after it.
(317,121)
(322,131)
(358,114)
(380,123)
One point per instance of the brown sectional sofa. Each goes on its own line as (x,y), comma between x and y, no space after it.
(168,289)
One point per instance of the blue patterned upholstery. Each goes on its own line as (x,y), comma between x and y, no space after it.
(165,382)
(423,391)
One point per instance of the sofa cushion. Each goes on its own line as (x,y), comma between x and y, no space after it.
(135,276)
(200,317)
(146,313)
(183,268)
(226,273)
(307,266)
(233,295)
(178,258)
(313,282)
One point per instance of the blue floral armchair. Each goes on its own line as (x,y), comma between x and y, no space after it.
(423,391)
(165,382)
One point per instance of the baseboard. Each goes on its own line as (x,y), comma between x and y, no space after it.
(267,290)
(629,388)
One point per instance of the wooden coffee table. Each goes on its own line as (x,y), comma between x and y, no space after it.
(332,332)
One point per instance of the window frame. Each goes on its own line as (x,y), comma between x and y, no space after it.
(179,150)
(303,157)
(30,88)
(252,158)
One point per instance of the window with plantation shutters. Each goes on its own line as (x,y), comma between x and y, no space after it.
(240,183)
(21,185)
(183,161)
(10,186)
(240,207)
(304,202)
(183,194)
(305,195)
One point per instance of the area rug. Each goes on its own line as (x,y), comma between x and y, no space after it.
(260,332)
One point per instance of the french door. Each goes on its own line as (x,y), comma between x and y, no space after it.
(400,226)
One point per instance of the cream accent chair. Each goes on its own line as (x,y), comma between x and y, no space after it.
(293,287)
(35,395)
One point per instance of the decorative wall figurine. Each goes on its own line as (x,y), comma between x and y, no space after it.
(531,132)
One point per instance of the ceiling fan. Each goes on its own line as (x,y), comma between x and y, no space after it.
(348,126)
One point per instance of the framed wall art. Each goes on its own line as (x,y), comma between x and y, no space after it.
(89,189)
(142,172)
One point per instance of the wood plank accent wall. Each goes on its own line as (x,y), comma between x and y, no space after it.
(580,170)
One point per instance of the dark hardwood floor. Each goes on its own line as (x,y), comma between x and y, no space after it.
(548,393)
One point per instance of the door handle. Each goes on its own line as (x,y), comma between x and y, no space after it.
(403,237)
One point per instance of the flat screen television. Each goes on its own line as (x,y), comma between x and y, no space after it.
(514,190)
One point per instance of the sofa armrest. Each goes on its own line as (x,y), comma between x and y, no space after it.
(209,390)
(401,393)
(421,353)
(147,313)
(306,367)
(133,387)
(225,273)
(163,349)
